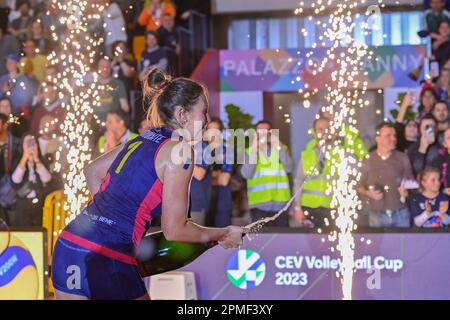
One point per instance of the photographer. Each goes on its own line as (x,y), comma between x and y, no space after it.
(424,151)
(30,179)
(268,187)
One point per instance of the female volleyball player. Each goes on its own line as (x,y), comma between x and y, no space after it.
(94,257)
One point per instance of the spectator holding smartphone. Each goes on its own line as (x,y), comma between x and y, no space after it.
(442,163)
(429,208)
(408,132)
(426,149)
(30,179)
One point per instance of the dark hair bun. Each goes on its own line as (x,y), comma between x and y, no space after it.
(162,95)
(155,76)
(155,80)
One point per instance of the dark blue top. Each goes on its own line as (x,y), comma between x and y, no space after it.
(417,207)
(151,58)
(201,189)
(226,165)
(421,160)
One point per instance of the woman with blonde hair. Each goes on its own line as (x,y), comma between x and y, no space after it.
(132,185)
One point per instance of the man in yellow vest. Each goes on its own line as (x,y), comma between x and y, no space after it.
(116,131)
(352,140)
(266,169)
(314,172)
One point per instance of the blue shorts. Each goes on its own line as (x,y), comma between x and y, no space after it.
(78,271)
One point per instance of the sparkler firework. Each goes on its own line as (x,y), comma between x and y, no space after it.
(341,104)
(76,51)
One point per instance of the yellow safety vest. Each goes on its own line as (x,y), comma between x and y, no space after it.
(102,139)
(317,186)
(270,183)
(352,141)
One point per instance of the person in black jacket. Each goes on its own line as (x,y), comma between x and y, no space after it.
(408,132)
(443,163)
(440,112)
(424,151)
(441,43)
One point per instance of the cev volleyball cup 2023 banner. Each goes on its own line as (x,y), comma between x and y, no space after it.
(297,266)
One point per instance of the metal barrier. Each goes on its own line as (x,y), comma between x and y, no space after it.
(54,217)
(54,220)
(194,42)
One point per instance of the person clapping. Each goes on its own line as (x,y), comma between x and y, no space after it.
(429,208)
(30,178)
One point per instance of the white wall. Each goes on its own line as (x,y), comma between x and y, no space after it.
(249,101)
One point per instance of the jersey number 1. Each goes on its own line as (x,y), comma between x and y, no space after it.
(131,148)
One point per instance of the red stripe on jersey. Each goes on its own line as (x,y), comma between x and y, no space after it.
(150,202)
(94,247)
(105,182)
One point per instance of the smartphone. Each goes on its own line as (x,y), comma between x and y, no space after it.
(378,187)
(30,142)
(429,132)
(434,68)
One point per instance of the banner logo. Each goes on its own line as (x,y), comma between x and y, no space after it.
(246,269)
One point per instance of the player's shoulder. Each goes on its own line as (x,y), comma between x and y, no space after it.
(176,152)
(171,144)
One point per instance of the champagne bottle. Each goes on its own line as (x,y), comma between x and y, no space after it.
(156,254)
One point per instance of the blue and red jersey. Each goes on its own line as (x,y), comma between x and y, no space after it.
(119,215)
